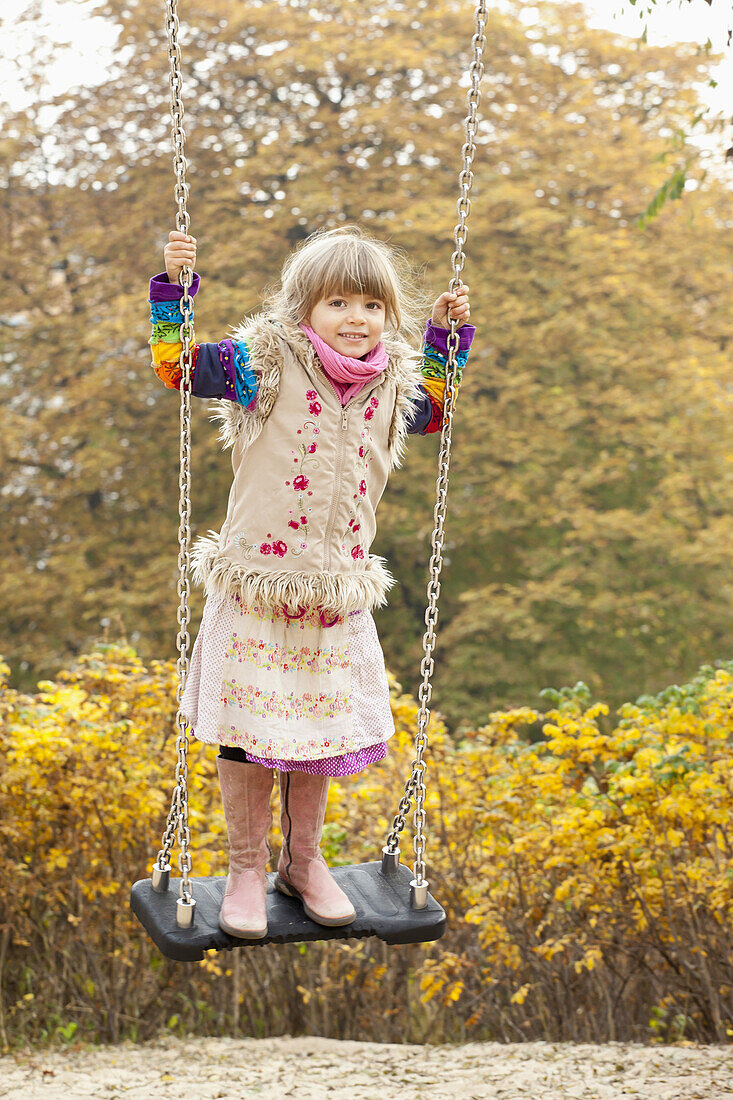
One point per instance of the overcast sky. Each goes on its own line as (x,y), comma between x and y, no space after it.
(90,39)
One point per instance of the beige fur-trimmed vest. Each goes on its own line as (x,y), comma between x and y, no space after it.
(308,476)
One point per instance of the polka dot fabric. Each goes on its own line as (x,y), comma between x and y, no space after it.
(293,693)
(330,765)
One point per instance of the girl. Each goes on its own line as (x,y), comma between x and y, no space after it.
(317,394)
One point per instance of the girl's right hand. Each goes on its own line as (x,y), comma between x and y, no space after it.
(180,252)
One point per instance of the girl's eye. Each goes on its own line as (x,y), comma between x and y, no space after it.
(341,302)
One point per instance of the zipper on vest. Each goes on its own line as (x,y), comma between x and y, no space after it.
(337,490)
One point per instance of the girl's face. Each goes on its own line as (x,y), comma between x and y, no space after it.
(349,323)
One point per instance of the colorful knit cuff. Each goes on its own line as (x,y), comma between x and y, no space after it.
(435,388)
(170,373)
(167,313)
(218,370)
(165,353)
(435,424)
(165,332)
(434,363)
(245,378)
(438,337)
(163,290)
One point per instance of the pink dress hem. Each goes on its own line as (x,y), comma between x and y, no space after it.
(333,766)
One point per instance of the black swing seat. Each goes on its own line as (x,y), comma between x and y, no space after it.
(382,903)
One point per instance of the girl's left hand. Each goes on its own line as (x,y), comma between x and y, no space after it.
(452,304)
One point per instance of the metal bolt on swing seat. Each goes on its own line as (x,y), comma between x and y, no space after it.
(185,908)
(390,860)
(418,893)
(160,875)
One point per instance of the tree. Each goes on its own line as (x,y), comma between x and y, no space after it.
(587,527)
(674,185)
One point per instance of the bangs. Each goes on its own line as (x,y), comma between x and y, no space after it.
(347,264)
(353,270)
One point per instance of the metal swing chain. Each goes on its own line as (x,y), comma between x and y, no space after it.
(415,785)
(178,815)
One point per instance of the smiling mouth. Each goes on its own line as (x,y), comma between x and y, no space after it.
(352,335)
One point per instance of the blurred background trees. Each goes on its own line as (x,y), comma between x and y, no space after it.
(591,484)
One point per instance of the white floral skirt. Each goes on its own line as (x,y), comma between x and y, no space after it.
(287,688)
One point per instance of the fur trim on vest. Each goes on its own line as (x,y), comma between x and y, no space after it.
(336,593)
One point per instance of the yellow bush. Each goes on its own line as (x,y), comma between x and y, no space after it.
(585,869)
(605,850)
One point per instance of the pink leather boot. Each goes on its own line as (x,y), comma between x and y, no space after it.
(245,796)
(302,871)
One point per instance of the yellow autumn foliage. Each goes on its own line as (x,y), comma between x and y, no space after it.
(585,867)
(603,849)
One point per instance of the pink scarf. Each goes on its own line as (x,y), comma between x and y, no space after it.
(347,374)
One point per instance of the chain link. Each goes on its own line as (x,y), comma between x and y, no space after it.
(178,815)
(415,785)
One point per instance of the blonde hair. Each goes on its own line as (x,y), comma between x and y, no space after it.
(347,260)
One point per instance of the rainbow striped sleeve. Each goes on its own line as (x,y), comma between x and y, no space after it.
(428,415)
(217,370)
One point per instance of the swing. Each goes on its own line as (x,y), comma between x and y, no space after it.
(390,901)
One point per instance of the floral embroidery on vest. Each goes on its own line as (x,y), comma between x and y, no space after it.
(245,547)
(300,483)
(305,617)
(303,463)
(277,546)
(365,453)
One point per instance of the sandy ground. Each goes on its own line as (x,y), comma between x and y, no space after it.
(311,1068)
